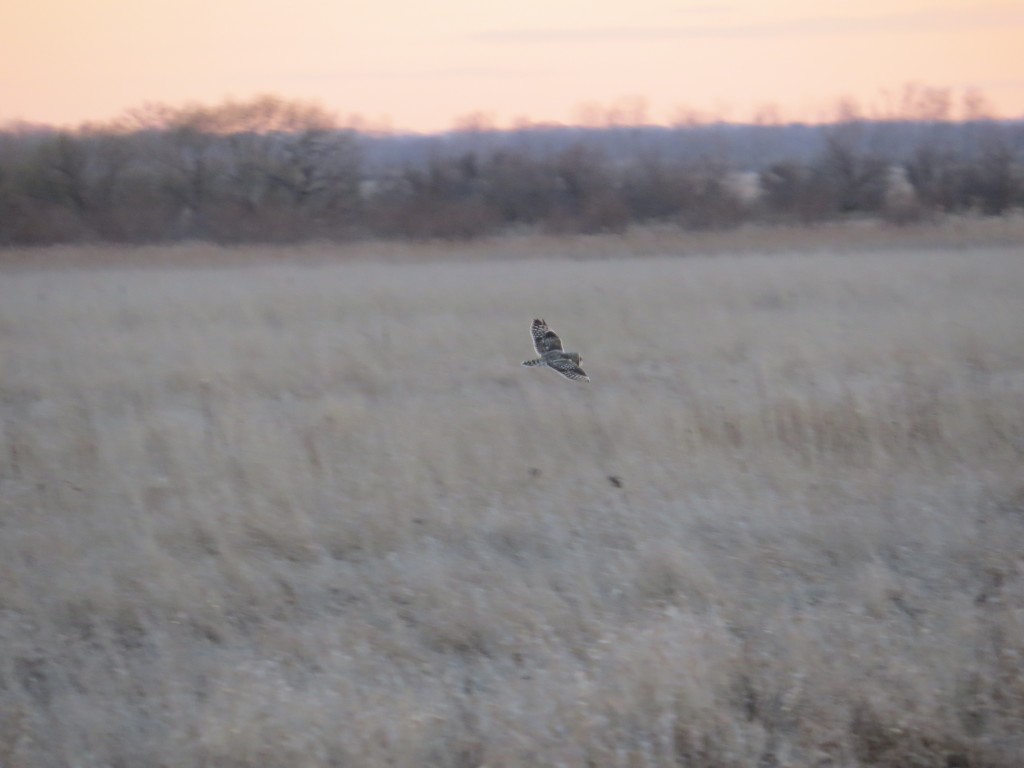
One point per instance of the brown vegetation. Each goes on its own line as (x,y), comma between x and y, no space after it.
(270,170)
(316,514)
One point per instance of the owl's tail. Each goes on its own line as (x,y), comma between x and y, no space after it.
(538,361)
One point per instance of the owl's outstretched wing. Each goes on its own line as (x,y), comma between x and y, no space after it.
(569,369)
(544,339)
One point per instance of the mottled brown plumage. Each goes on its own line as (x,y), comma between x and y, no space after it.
(549,347)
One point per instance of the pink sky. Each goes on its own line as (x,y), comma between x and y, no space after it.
(422,65)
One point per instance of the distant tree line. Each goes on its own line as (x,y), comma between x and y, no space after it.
(279,171)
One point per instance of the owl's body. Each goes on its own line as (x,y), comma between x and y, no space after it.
(549,347)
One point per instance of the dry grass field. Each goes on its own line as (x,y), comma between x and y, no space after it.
(316,514)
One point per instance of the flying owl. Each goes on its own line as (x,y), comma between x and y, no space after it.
(549,347)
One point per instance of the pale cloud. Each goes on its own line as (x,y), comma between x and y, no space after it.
(412,73)
(914,21)
(996,84)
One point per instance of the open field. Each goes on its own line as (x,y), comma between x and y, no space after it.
(853,236)
(317,514)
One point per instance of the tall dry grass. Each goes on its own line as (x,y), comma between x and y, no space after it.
(318,515)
